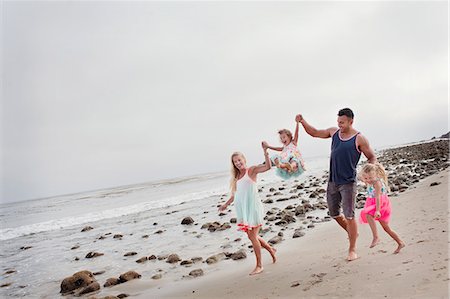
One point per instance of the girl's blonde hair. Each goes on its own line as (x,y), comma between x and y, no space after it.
(379,171)
(287,132)
(235,171)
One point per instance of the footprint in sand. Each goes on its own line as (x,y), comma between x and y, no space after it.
(317,279)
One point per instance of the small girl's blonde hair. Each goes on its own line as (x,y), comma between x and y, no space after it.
(235,171)
(379,171)
(287,132)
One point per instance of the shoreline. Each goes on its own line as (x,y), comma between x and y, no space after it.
(289,205)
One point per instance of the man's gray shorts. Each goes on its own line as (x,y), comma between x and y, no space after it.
(341,196)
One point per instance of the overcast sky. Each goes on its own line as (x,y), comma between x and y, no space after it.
(101,94)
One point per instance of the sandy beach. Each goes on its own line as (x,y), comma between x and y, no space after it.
(314,265)
(190,250)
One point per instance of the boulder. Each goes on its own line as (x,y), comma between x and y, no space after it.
(78,280)
(127,276)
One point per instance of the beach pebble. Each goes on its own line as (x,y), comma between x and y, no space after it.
(197,259)
(196,273)
(118,236)
(111,282)
(215,258)
(187,221)
(275,240)
(162,257)
(10,271)
(26,247)
(78,280)
(233,220)
(75,247)
(298,233)
(173,258)
(98,273)
(145,236)
(93,254)
(157,276)
(142,260)
(238,255)
(95,286)
(131,253)
(152,257)
(87,228)
(127,276)
(6,285)
(268,200)
(186,263)
(159,232)
(122,295)
(435,184)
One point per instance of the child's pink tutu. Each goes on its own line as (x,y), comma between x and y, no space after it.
(370,208)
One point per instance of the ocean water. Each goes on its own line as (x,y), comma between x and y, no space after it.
(52,226)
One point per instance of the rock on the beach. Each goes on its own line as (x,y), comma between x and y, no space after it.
(75,247)
(434,184)
(118,236)
(186,263)
(152,257)
(93,254)
(142,259)
(78,280)
(173,258)
(111,282)
(215,258)
(157,276)
(196,273)
(233,220)
(98,273)
(131,253)
(275,240)
(87,228)
(238,255)
(127,276)
(95,286)
(197,259)
(298,233)
(187,221)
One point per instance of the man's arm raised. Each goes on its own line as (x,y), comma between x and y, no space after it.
(326,133)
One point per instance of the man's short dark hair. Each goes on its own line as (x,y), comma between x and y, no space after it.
(347,112)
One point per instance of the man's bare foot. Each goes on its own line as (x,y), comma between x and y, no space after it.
(375,242)
(272,252)
(352,256)
(257,270)
(400,246)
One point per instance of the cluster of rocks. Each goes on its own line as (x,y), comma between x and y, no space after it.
(216,226)
(84,282)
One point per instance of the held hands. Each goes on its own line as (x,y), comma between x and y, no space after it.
(377,215)
(264,145)
(298,118)
(223,207)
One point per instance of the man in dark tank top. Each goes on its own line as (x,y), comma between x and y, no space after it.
(346,147)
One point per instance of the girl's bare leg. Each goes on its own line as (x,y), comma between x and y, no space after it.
(253,236)
(373,227)
(393,235)
(269,248)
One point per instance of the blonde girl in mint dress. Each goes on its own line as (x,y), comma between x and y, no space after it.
(249,208)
